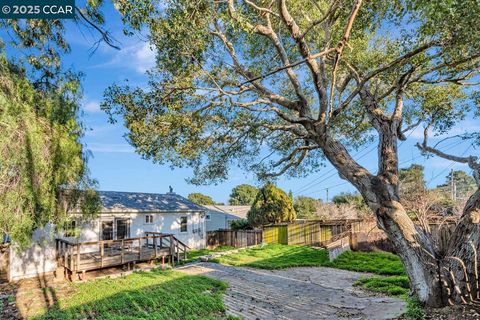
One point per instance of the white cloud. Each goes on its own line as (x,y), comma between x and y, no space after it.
(139,57)
(110,148)
(92,106)
(145,57)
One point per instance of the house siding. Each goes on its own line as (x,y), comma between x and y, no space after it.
(40,257)
(217,221)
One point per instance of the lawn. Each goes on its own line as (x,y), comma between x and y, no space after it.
(381,263)
(391,278)
(392,286)
(193,255)
(142,295)
(276,256)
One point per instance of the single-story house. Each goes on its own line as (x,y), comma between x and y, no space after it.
(124,215)
(220,216)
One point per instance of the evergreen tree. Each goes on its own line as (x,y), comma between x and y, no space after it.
(271,205)
(243,195)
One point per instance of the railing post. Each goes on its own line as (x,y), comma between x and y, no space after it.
(65,254)
(155,238)
(121,251)
(56,251)
(172,250)
(101,252)
(78,257)
(140,248)
(178,251)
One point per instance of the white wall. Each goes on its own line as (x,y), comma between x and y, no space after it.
(170,223)
(37,259)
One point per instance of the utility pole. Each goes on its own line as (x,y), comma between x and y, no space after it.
(327,194)
(453,187)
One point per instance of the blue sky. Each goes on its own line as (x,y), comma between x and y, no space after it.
(117,167)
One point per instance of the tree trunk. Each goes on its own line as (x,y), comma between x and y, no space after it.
(438,276)
(459,264)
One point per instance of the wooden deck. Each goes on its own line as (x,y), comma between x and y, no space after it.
(79,257)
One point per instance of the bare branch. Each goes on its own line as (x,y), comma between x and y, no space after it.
(106,36)
(339,50)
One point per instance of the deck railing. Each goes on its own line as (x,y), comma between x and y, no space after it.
(177,247)
(89,255)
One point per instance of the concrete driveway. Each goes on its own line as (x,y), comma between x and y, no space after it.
(297,293)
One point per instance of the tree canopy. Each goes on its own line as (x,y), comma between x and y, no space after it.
(271,205)
(278,87)
(43,173)
(236,82)
(201,199)
(464,184)
(305,207)
(243,194)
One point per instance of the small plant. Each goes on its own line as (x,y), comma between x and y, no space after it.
(415,310)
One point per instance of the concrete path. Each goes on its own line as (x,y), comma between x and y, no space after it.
(297,293)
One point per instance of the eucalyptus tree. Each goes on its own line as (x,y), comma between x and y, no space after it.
(278,87)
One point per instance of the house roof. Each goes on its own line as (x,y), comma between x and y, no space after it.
(114,201)
(239,212)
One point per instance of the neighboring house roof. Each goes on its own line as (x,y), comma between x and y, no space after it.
(114,201)
(233,212)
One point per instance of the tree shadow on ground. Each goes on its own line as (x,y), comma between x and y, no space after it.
(143,295)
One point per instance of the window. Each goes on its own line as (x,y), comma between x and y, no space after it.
(207,217)
(149,218)
(69,229)
(183,224)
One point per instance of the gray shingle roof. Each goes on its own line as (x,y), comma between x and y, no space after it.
(114,201)
(239,212)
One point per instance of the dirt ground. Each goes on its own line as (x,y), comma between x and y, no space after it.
(297,293)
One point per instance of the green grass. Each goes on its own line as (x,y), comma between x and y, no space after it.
(142,295)
(276,256)
(381,263)
(392,286)
(193,255)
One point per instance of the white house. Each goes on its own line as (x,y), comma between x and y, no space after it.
(123,215)
(220,216)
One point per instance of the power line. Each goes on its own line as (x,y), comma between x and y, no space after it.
(452,163)
(449,146)
(322,178)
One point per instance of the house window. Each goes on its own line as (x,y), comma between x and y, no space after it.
(207,217)
(149,218)
(183,224)
(69,229)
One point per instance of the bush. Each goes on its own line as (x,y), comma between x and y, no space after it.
(241,224)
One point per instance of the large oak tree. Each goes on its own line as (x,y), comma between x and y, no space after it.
(278,87)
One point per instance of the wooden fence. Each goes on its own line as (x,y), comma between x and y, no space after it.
(366,236)
(306,232)
(234,238)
